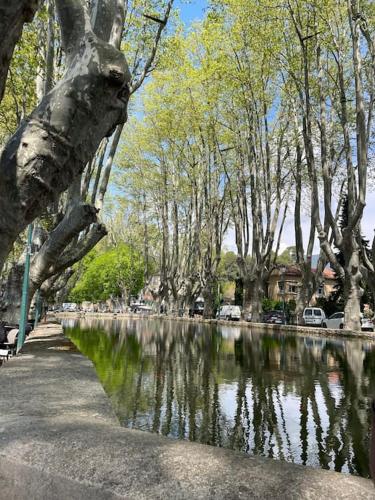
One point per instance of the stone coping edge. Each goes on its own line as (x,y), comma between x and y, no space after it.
(45,455)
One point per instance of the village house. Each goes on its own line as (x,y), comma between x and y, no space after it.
(285,281)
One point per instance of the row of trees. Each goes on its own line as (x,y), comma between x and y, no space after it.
(262,111)
(65,89)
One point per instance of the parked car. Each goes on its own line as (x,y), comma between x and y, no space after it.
(367,324)
(140,307)
(313,316)
(198,307)
(70,307)
(275,318)
(230,313)
(249,317)
(335,321)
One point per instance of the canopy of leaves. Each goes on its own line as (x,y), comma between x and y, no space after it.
(115,273)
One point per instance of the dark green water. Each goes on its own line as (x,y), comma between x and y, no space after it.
(301,399)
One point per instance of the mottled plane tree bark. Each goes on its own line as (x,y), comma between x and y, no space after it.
(53,145)
(53,255)
(54,290)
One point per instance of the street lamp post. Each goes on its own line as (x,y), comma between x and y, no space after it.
(25,292)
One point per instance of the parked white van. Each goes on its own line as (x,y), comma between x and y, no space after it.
(231,313)
(313,316)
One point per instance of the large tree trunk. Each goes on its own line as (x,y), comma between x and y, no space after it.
(353,291)
(10,304)
(209,293)
(371,286)
(54,144)
(301,302)
(11,287)
(304,295)
(247,297)
(238,292)
(53,258)
(307,288)
(192,290)
(13,15)
(253,294)
(56,287)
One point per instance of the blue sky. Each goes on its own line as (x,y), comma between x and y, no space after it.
(191,10)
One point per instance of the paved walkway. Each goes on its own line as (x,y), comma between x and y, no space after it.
(59,439)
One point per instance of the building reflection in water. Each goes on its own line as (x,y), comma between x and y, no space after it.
(301,399)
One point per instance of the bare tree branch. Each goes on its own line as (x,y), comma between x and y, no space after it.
(108,167)
(162,23)
(74,23)
(75,220)
(73,255)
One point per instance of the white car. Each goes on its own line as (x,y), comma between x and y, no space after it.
(70,307)
(313,316)
(367,324)
(231,313)
(336,321)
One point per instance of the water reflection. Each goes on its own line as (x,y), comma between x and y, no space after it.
(301,399)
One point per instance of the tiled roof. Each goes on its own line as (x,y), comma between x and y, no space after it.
(328,273)
(291,270)
(294,270)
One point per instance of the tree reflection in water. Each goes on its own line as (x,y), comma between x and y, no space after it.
(301,399)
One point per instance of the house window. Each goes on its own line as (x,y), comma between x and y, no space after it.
(320,291)
(281,286)
(293,288)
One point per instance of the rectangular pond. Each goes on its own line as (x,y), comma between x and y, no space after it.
(304,399)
